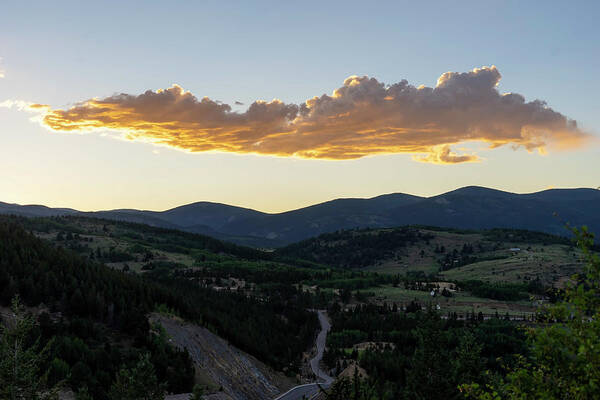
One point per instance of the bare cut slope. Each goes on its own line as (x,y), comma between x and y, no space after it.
(240,375)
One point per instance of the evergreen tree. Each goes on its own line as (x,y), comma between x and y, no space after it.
(21,356)
(197,393)
(138,383)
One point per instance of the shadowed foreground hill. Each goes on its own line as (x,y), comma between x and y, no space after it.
(95,316)
(466,208)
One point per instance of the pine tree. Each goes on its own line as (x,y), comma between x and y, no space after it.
(20,358)
(138,383)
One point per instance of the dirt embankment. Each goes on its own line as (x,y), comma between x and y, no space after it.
(240,375)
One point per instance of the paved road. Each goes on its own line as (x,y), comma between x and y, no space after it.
(311,389)
(321,339)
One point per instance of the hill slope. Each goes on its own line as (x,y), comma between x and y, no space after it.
(497,255)
(239,375)
(75,267)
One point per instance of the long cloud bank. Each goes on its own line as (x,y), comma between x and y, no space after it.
(363,117)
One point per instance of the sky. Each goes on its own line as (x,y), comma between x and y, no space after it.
(279,105)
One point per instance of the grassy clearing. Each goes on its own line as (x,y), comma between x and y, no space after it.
(548,263)
(115,238)
(551,263)
(422,256)
(460,302)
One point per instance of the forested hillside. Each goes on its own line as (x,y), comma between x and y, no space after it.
(388,353)
(413,354)
(97,316)
(510,255)
(399,264)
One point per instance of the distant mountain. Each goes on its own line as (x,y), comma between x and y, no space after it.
(481,208)
(33,210)
(470,207)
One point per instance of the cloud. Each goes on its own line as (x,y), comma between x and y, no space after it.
(25,106)
(363,117)
(443,155)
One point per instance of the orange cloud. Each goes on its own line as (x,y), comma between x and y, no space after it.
(363,117)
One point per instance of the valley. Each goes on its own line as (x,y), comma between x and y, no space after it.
(374,283)
(400,265)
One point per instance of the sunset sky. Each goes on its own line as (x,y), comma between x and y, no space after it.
(279,105)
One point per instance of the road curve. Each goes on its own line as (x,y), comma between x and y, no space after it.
(321,339)
(311,389)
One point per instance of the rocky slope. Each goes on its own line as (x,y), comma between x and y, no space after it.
(240,375)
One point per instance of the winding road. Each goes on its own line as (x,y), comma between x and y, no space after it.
(311,389)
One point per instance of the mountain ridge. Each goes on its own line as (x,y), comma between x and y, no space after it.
(468,207)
